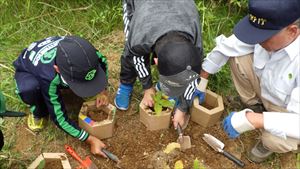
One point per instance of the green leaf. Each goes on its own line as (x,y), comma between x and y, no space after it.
(196,164)
(167,103)
(159,95)
(41,165)
(157,109)
(155,98)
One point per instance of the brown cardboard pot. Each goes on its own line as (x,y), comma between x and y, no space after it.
(208,113)
(154,122)
(48,157)
(100,129)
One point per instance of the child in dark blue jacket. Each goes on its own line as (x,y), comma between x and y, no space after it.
(55,63)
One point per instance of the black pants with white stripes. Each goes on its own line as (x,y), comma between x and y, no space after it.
(133,67)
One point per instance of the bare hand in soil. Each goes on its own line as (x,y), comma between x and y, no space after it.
(96,146)
(148,97)
(102,99)
(178,118)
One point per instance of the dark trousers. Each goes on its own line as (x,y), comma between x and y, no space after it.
(133,66)
(30,92)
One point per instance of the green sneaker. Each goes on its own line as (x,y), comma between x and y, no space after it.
(35,124)
(258,153)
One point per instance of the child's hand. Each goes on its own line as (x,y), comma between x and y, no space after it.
(102,99)
(178,118)
(96,146)
(147,99)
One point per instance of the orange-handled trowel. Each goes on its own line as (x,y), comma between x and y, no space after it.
(86,164)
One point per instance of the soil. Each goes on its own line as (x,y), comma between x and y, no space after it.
(207,106)
(98,115)
(136,147)
(53,164)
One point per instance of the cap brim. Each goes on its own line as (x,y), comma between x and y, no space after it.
(89,88)
(172,91)
(250,34)
(176,85)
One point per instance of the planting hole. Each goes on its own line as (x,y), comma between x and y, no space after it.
(98,115)
(53,164)
(207,106)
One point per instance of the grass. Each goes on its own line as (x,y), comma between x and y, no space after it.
(22,22)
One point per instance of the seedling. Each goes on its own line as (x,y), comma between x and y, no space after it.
(157,117)
(161,103)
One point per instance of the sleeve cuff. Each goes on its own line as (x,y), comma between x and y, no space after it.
(210,67)
(148,85)
(83,135)
(282,124)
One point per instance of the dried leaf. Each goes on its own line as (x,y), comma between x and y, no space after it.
(178,165)
(171,146)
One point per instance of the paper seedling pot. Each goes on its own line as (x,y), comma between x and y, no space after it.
(154,122)
(100,129)
(48,157)
(208,113)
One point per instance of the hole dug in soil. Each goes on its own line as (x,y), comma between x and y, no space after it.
(98,115)
(53,164)
(207,106)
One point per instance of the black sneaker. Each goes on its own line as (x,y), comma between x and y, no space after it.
(258,153)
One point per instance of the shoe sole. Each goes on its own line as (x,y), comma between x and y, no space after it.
(33,128)
(120,108)
(255,156)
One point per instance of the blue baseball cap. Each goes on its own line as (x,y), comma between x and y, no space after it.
(265,19)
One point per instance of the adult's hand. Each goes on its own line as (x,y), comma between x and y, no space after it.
(96,145)
(236,123)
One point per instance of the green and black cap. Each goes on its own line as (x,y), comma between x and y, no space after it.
(79,66)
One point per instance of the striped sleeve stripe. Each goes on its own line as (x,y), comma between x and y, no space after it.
(143,65)
(126,21)
(194,84)
(140,66)
(59,114)
(83,135)
(190,90)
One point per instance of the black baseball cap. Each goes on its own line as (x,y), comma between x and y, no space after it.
(265,19)
(79,66)
(179,63)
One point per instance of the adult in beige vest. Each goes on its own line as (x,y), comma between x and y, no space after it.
(264,57)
